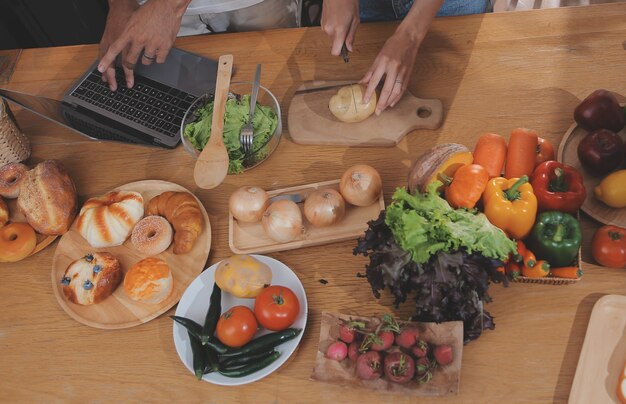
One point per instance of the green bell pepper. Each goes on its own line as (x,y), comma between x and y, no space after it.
(556,238)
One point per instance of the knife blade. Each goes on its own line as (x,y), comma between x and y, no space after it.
(291,197)
(329,87)
(344,53)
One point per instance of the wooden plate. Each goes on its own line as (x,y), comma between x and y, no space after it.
(603,354)
(568,154)
(118,310)
(445,379)
(248,238)
(16,216)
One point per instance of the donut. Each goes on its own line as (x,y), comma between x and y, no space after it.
(152,235)
(11,176)
(17,241)
(4,212)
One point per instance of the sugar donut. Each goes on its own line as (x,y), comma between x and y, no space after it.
(17,241)
(152,235)
(11,176)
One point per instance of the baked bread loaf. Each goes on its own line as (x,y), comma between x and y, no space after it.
(4,212)
(181,209)
(149,281)
(92,278)
(48,198)
(107,221)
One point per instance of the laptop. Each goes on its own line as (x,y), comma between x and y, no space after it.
(150,113)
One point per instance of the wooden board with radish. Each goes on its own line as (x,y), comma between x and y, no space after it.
(383,354)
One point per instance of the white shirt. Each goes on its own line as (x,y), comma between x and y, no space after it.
(217,6)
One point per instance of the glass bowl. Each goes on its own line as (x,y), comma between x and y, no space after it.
(265,98)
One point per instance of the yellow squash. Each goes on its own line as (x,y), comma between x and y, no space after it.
(612,189)
(243,276)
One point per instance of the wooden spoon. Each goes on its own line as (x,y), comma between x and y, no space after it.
(212,164)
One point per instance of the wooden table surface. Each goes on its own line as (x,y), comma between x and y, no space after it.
(493,73)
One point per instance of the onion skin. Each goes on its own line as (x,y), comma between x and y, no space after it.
(324,207)
(247,204)
(361,185)
(282,221)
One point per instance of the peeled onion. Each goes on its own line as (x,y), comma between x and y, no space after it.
(361,185)
(282,221)
(247,204)
(324,207)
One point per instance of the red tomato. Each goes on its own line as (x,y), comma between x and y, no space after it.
(545,151)
(608,246)
(276,307)
(236,327)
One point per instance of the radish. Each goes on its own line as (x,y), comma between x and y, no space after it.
(381,341)
(443,354)
(399,367)
(337,351)
(347,334)
(368,365)
(353,351)
(420,349)
(422,366)
(407,337)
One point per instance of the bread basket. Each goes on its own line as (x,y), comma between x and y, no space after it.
(14,145)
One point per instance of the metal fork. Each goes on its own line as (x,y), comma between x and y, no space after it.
(247,132)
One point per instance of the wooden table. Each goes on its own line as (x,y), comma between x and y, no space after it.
(492,72)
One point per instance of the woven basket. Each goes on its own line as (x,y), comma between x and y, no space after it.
(14,145)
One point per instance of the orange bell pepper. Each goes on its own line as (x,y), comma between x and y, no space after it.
(511,205)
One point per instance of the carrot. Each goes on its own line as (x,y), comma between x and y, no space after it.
(566,272)
(520,156)
(490,152)
(540,269)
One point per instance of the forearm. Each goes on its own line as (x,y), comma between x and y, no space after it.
(417,22)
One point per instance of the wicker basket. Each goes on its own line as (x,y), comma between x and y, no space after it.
(14,145)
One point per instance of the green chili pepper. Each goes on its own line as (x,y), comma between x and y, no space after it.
(192,327)
(556,238)
(213,314)
(251,368)
(199,356)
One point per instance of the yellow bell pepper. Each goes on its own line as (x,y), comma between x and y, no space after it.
(612,189)
(511,205)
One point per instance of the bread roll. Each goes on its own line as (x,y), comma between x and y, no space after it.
(48,198)
(149,281)
(347,105)
(107,221)
(92,278)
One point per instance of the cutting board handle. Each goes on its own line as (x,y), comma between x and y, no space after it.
(428,113)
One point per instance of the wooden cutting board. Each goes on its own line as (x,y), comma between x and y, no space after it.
(311,122)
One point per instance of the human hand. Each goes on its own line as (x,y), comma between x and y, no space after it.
(151,29)
(119,14)
(340,19)
(394,61)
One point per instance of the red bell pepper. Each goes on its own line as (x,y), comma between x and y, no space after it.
(558,186)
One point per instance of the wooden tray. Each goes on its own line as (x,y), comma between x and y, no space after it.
(568,154)
(603,354)
(445,380)
(16,216)
(311,122)
(118,310)
(248,238)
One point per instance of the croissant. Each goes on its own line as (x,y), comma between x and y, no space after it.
(181,209)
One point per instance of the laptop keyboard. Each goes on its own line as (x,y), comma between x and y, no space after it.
(148,103)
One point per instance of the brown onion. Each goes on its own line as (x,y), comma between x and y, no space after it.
(360,185)
(282,221)
(324,207)
(247,204)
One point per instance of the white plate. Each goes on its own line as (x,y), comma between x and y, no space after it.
(195,303)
